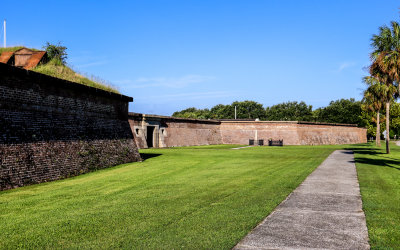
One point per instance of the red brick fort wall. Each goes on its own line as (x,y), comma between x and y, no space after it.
(189,132)
(52,129)
(292,133)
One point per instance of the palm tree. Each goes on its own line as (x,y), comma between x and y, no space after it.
(385,65)
(374,97)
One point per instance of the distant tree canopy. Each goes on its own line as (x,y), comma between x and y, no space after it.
(244,110)
(221,111)
(56,52)
(290,111)
(395,120)
(193,113)
(339,111)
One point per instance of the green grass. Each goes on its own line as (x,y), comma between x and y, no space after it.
(379,178)
(56,69)
(194,197)
(15,48)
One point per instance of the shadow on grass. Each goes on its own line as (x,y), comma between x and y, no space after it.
(379,162)
(366,151)
(146,156)
(380,159)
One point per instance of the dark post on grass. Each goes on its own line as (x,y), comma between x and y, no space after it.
(253,142)
(278,143)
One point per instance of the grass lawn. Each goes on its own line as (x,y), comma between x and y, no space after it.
(379,178)
(194,197)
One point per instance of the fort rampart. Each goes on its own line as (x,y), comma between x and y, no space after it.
(164,131)
(52,128)
(291,132)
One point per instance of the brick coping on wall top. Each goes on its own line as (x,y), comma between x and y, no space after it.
(170,118)
(6,69)
(294,122)
(152,116)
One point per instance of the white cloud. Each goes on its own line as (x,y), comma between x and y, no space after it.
(123,81)
(96,63)
(86,59)
(168,82)
(345,65)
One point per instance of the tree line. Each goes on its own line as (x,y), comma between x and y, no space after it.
(347,111)
(339,111)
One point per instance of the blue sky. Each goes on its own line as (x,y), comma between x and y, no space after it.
(171,55)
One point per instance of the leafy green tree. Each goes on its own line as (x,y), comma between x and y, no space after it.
(56,52)
(386,63)
(245,110)
(395,121)
(248,110)
(316,114)
(369,120)
(222,111)
(341,111)
(193,113)
(290,111)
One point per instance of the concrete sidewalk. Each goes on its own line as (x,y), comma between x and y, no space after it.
(324,212)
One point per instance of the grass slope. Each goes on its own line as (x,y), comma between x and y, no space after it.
(379,178)
(14,49)
(196,197)
(56,69)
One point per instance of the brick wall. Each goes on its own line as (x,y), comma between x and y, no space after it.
(191,133)
(135,123)
(292,133)
(241,132)
(52,129)
(174,132)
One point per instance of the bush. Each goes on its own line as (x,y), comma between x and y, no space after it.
(56,52)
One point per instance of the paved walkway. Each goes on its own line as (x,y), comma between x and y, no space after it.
(324,212)
(243,147)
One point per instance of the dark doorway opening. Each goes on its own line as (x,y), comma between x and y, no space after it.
(149,138)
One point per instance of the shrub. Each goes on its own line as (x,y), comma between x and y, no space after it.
(56,52)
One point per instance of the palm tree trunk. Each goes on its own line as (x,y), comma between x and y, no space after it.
(378,130)
(387,127)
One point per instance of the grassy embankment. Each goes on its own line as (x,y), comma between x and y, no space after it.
(195,197)
(56,69)
(14,49)
(379,178)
